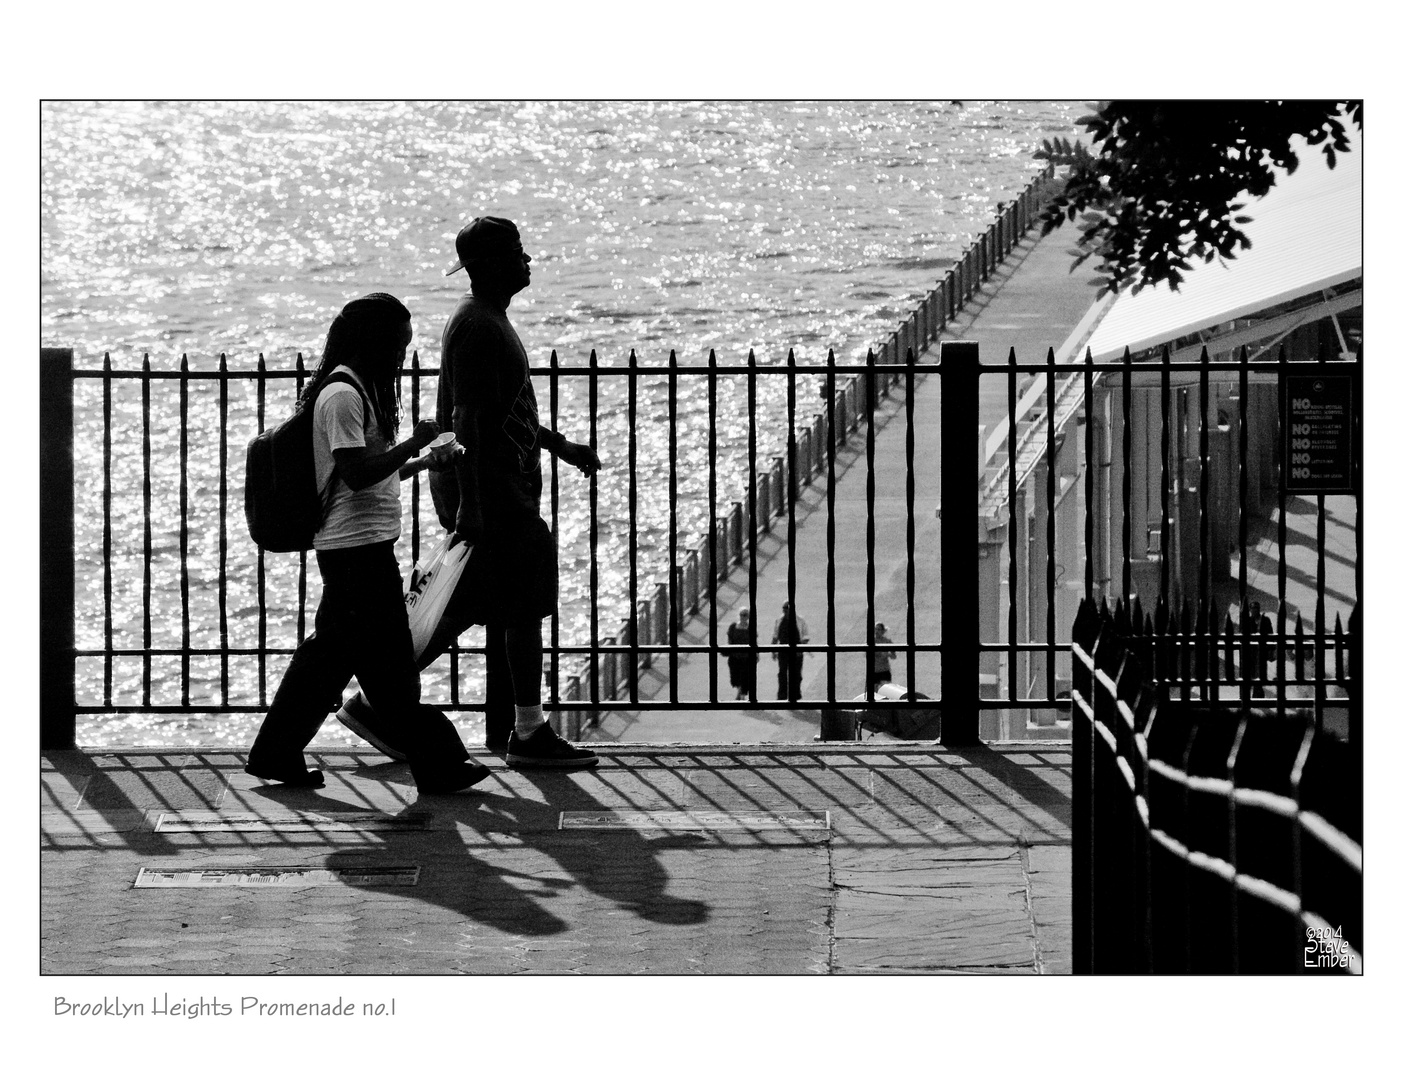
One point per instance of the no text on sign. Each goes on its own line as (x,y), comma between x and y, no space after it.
(1319,452)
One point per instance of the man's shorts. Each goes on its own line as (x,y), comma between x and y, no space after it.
(510,578)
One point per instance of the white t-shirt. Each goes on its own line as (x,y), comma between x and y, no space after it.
(353,518)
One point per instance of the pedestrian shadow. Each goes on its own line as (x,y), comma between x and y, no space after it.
(473,863)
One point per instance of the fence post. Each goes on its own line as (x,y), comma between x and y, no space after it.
(959,542)
(57,683)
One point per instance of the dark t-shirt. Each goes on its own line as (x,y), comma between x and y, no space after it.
(485,367)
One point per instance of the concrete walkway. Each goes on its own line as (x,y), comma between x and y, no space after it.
(831,859)
(1032,304)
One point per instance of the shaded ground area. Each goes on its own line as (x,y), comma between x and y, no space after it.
(830,859)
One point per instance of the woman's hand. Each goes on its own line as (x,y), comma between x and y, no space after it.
(425,432)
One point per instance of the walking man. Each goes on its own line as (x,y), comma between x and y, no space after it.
(790,629)
(491,500)
(881,658)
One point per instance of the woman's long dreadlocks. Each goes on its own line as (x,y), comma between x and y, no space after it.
(366,329)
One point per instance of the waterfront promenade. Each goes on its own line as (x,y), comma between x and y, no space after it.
(839,859)
(1031,303)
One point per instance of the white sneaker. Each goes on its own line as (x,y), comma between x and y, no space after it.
(356,714)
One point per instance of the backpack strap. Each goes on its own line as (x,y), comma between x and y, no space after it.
(338,377)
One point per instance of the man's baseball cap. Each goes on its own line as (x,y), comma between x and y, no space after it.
(482,238)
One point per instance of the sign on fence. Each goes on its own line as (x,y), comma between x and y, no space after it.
(1319,452)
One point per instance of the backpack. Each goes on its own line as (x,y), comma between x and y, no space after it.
(282,504)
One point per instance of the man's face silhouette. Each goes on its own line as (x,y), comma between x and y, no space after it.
(505,273)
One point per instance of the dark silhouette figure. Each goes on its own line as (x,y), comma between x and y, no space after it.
(491,500)
(741,657)
(790,630)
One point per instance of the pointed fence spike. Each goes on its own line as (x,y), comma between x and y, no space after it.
(1229,666)
(1137,617)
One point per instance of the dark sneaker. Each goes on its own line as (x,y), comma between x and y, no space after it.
(544,749)
(290,775)
(357,715)
(462,775)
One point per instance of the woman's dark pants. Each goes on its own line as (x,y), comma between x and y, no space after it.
(362,629)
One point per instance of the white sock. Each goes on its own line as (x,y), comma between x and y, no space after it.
(528,719)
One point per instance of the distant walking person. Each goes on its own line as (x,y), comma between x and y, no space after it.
(881,657)
(362,627)
(740,657)
(790,629)
(491,499)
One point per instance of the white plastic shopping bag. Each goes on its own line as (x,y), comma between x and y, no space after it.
(431,583)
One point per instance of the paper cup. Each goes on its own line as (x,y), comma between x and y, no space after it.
(443,446)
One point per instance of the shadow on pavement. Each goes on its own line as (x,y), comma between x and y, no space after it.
(459,873)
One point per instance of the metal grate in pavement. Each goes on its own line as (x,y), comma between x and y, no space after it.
(273,877)
(694,820)
(359,821)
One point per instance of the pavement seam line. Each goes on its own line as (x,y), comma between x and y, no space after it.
(1025,864)
(832,908)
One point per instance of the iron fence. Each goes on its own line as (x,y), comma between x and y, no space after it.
(1217,817)
(1163,480)
(193,643)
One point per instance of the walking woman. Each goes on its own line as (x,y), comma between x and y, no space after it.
(362,628)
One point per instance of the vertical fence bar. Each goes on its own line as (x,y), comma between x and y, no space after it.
(108,657)
(223,529)
(1165,402)
(1204,556)
(1089,535)
(1282,465)
(1050,688)
(1319,679)
(184,530)
(57,643)
(675,602)
(1125,489)
(1013,523)
(594,536)
(633,524)
(910,519)
(1242,487)
(871,411)
(959,541)
(753,505)
(712,586)
(146,529)
(830,397)
(262,390)
(554,387)
(791,490)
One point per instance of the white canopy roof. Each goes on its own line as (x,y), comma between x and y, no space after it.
(1306,233)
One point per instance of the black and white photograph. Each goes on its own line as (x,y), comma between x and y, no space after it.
(747,537)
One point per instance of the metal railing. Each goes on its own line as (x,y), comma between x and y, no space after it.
(1217,818)
(160,642)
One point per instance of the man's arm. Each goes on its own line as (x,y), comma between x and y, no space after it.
(572,453)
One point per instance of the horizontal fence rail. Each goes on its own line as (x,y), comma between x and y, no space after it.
(1217,822)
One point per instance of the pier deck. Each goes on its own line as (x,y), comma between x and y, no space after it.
(1031,303)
